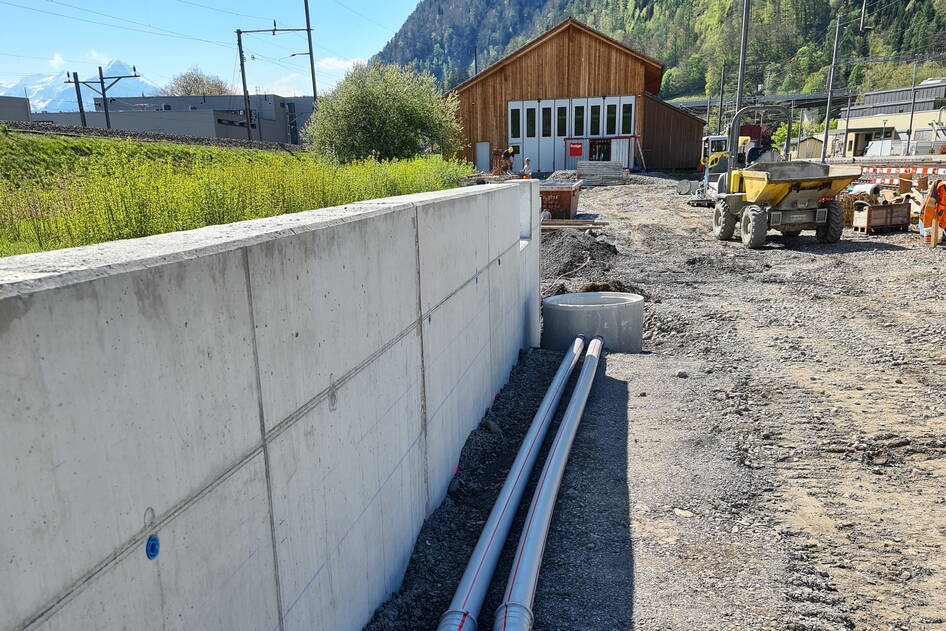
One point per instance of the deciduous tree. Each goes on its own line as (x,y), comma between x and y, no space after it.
(195,82)
(384,111)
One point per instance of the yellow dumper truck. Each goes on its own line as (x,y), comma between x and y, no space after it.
(787,196)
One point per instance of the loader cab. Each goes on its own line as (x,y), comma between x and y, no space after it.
(714,144)
(715,150)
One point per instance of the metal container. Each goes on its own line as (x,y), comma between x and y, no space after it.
(881,218)
(560,198)
(617,317)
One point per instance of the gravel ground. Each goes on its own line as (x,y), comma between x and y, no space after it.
(774,460)
(70,130)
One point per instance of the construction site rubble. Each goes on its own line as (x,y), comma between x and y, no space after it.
(797,468)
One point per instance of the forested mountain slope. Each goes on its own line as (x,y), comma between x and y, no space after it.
(789,49)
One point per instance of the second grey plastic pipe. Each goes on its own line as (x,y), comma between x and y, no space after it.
(515,612)
(468,599)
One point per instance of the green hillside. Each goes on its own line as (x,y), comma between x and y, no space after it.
(789,49)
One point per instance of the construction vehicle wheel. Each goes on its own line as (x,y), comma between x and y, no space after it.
(755,225)
(830,231)
(724,223)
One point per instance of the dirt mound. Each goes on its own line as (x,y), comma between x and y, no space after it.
(563,176)
(577,261)
(565,251)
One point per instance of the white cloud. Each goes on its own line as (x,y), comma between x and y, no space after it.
(335,65)
(98,57)
(57,62)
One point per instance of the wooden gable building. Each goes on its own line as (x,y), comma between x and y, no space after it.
(575,94)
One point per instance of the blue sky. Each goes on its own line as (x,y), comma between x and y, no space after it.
(161,38)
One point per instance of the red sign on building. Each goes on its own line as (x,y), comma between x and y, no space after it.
(575,149)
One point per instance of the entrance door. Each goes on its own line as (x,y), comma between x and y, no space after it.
(595,117)
(561,121)
(516,122)
(482,157)
(611,116)
(530,141)
(628,124)
(546,161)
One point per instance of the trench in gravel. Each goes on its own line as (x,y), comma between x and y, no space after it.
(446,540)
(571,261)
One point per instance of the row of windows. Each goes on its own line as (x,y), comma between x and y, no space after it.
(578,129)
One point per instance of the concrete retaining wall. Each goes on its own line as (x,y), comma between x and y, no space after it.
(282,401)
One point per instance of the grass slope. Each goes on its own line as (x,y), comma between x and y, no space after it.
(58,191)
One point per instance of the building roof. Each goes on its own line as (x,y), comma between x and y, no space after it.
(553,32)
(926,83)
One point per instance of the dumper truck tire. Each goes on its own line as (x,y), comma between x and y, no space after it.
(754,226)
(724,223)
(830,231)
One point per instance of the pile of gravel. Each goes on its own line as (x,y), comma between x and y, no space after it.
(574,261)
(563,176)
(70,130)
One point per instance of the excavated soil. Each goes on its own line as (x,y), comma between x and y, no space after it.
(775,459)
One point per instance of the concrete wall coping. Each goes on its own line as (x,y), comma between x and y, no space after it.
(29,273)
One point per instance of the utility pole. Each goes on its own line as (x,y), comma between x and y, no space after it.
(101,90)
(108,121)
(863,16)
(722,86)
(742,54)
(847,124)
(906,151)
(308,30)
(827,111)
(75,79)
(246,93)
(801,123)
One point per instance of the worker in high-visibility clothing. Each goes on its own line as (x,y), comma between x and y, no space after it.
(934,207)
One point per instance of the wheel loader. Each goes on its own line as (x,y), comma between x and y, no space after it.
(787,196)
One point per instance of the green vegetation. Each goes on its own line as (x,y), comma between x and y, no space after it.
(789,48)
(384,111)
(807,129)
(196,82)
(58,192)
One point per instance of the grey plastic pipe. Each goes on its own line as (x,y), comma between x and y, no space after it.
(515,612)
(468,599)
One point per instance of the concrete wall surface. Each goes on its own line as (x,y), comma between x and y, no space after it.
(281,401)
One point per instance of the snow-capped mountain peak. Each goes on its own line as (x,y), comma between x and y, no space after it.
(50,93)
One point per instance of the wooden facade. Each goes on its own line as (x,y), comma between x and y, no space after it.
(573,61)
(670,138)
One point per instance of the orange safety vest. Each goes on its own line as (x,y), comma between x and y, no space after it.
(934,207)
